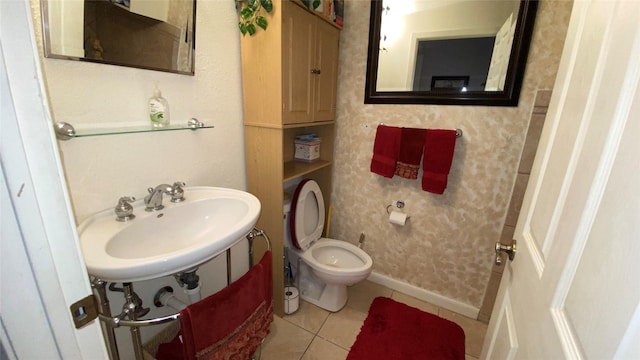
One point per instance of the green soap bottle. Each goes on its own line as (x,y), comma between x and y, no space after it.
(158,110)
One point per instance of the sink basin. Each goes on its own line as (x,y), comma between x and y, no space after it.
(179,237)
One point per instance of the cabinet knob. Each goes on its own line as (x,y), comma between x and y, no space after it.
(315,71)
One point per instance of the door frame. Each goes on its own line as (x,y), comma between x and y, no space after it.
(32,174)
(592,106)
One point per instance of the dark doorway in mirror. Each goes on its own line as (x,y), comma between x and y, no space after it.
(444,64)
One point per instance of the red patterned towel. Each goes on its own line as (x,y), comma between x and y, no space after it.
(438,156)
(411,144)
(229,324)
(385,150)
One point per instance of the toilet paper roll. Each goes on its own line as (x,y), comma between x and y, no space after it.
(291,300)
(398,218)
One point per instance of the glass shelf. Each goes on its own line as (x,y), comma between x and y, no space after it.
(66,131)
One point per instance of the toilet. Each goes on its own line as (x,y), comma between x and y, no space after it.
(324,267)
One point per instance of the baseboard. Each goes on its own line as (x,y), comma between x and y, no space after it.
(425,295)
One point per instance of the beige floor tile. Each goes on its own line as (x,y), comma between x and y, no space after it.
(308,317)
(343,327)
(474,331)
(416,303)
(321,349)
(292,338)
(361,295)
(285,341)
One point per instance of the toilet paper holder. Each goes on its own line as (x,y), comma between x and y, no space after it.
(398,204)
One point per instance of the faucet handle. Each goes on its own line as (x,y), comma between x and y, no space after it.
(178,192)
(124,209)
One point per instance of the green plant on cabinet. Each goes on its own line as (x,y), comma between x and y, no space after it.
(251,15)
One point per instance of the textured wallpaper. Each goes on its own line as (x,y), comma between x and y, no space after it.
(447,245)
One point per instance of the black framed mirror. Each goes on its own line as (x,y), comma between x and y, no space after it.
(448,52)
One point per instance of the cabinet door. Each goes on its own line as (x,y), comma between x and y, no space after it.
(326,63)
(298,47)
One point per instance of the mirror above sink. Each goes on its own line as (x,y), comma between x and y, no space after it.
(148,34)
(179,237)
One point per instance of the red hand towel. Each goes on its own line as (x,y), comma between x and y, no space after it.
(385,150)
(229,324)
(411,144)
(438,155)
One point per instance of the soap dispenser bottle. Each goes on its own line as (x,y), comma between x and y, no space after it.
(158,109)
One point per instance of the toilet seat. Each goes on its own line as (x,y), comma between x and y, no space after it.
(307,214)
(338,258)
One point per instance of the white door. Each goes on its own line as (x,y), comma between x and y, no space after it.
(573,289)
(42,268)
(500,56)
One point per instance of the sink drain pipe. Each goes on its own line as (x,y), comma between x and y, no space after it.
(191,282)
(188,280)
(165,296)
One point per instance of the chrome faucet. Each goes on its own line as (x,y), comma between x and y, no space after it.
(153,201)
(124,210)
(178,192)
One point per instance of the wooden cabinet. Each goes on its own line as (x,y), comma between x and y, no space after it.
(309,65)
(284,97)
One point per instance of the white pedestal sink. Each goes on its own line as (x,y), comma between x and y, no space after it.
(179,237)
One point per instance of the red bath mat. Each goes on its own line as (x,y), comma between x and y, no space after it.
(393,330)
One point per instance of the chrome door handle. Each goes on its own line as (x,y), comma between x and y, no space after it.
(509,249)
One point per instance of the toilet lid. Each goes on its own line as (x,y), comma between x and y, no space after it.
(307,214)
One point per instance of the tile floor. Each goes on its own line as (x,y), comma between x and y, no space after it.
(313,333)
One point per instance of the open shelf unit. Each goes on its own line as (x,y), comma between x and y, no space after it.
(289,92)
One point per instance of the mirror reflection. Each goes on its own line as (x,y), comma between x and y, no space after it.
(148,34)
(447,44)
(448,51)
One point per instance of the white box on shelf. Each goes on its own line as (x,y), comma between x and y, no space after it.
(307,150)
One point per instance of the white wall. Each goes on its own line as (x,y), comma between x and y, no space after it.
(99,170)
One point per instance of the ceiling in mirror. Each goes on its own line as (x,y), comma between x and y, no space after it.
(452,52)
(147,34)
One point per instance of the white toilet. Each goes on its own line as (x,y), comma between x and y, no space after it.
(325,267)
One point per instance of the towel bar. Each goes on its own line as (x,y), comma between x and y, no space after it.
(116,321)
(458,131)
